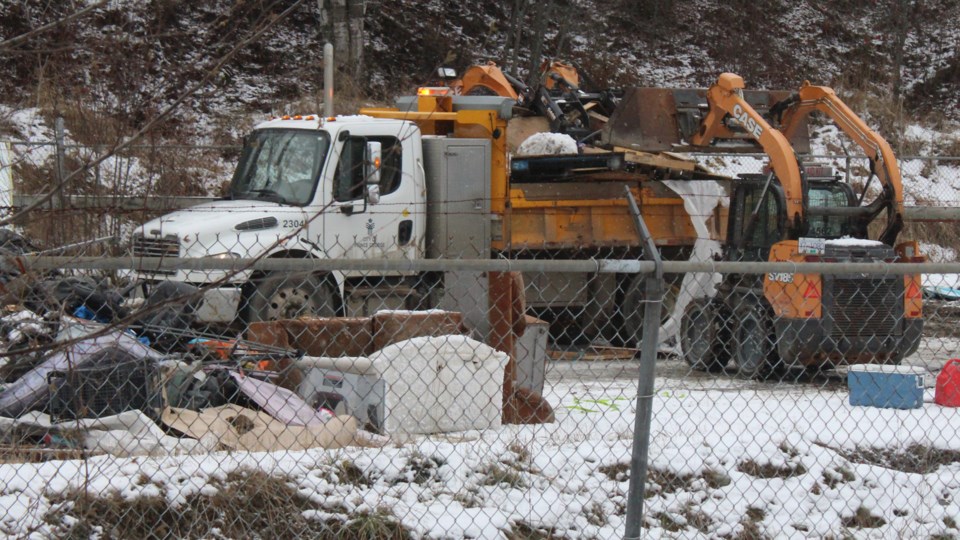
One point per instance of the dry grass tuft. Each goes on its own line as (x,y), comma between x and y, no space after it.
(420,469)
(618,472)
(495,474)
(247,504)
(769,470)
(521,530)
(863,519)
(841,475)
(348,473)
(913,459)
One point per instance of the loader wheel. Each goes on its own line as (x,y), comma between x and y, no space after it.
(632,308)
(756,353)
(284,296)
(703,336)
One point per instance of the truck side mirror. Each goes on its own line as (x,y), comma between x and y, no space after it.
(372,162)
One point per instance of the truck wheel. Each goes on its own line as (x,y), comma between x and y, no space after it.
(283,296)
(755,348)
(703,336)
(632,308)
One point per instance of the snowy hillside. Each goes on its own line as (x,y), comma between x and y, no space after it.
(127,59)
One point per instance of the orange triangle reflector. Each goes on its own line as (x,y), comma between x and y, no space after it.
(913,291)
(812,291)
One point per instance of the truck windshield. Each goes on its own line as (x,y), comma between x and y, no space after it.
(280,165)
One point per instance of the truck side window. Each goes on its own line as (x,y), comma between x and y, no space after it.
(348,181)
(391,163)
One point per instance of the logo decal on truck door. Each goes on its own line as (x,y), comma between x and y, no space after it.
(370,240)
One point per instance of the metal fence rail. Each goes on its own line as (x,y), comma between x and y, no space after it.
(146,180)
(489,398)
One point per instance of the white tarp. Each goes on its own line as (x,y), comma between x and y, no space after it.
(700,198)
(130,433)
(441,384)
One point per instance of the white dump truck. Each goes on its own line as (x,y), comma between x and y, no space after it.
(431,178)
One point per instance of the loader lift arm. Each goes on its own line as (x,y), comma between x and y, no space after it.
(729,111)
(883,163)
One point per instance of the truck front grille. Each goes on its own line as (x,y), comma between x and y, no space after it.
(865,307)
(166,246)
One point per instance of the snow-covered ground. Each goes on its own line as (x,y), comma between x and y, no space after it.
(726,457)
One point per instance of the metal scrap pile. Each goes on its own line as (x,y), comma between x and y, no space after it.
(83,370)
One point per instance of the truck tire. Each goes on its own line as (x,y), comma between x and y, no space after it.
(704,336)
(284,296)
(632,308)
(755,350)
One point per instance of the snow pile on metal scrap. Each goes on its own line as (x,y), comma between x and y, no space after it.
(543,144)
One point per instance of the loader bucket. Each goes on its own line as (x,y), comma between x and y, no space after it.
(663,119)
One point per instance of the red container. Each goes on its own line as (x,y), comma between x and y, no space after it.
(948,385)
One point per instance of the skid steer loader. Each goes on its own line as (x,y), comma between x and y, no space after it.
(792,211)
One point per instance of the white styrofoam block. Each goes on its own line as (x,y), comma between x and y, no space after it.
(441,384)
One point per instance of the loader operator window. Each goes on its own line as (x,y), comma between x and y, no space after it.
(767,230)
(834,196)
(349,179)
(280,165)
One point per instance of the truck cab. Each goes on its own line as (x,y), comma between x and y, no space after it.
(305,187)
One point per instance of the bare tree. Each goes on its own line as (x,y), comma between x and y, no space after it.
(518,15)
(542,13)
(343,21)
(901,14)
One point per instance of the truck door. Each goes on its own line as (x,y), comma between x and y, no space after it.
(358,228)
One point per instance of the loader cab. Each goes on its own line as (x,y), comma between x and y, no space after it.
(749,239)
(832,195)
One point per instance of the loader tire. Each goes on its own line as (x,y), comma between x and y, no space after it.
(704,336)
(284,296)
(756,352)
(632,308)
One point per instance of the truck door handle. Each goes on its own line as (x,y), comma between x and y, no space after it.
(346,209)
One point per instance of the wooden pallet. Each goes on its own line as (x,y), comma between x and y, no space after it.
(594,353)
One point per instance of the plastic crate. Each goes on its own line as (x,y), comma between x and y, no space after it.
(889,387)
(105,390)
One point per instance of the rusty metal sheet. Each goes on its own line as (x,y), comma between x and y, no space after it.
(662,119)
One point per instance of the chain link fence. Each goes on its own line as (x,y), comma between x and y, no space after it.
(107,199)
(149,395)
(148,180)
(168,386)
(927,180)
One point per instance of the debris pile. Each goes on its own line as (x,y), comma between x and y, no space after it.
(86,369)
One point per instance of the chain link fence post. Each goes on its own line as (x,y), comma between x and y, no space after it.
(653,288)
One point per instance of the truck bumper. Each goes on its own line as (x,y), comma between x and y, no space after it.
(807,342)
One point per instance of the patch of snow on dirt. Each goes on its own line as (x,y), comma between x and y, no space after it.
(565,482)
